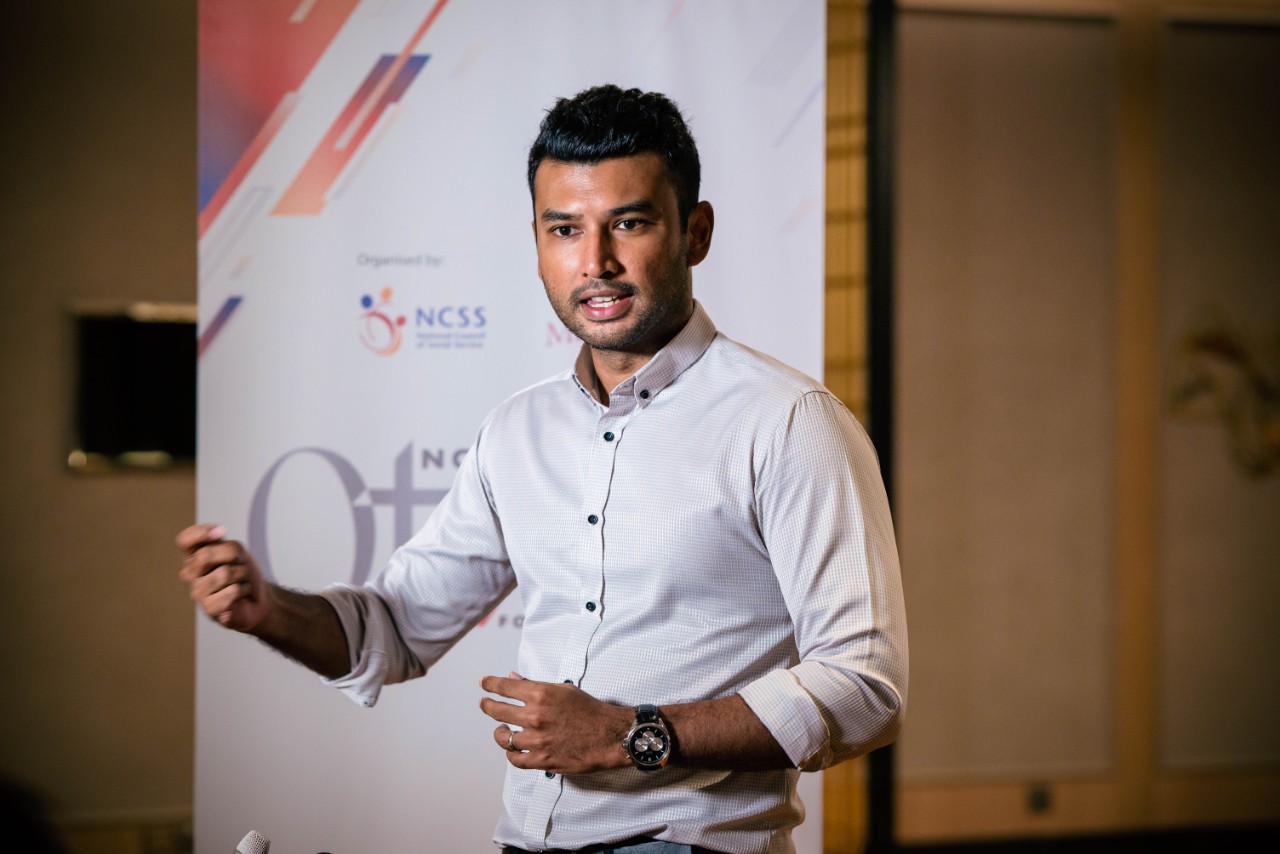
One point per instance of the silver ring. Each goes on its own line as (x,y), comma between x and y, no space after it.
(511,740)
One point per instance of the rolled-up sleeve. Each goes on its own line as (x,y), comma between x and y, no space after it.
(825,519)
(435,588)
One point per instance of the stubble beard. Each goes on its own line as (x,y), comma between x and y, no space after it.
(669,304)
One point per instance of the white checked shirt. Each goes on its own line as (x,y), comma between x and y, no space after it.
(720,527)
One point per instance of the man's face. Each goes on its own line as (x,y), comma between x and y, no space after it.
(611,251)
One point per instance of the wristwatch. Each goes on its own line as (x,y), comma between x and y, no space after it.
(648,742)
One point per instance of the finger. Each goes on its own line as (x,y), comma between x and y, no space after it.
(506,713)
(208,558)
(220,605)
(525,759)
(219,578)
(515,687)
(500,686)
(225,553)
(505,737)
(194,536)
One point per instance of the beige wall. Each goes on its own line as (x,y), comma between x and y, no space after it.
(97,196)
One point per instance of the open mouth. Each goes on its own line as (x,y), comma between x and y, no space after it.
(604,307)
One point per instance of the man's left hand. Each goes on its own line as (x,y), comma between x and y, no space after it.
(561,728)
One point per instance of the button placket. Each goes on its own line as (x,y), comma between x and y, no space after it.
(598,479)
(589,530)
(542,802)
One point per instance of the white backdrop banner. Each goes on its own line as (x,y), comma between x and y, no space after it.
(368,291)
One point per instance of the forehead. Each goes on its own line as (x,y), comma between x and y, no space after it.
(619,180)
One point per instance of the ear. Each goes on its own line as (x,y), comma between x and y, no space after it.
(702,221)
(533,227)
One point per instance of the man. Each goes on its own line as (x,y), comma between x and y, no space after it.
(699,533)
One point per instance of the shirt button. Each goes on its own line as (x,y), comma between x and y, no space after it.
(644,395)
(591,606)
(593,518)
(568,681)
(550,775)
(608,437)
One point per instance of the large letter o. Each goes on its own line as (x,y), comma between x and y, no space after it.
(362,517)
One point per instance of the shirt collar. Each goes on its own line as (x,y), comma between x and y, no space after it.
(663,369)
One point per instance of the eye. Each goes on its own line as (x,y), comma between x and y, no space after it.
(629,224)
(563,231)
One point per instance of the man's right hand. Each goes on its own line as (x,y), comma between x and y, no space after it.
(223,578)
(225,581)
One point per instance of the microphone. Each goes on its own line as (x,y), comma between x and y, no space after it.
(253,843)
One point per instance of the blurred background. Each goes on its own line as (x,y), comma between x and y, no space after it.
(1065,336)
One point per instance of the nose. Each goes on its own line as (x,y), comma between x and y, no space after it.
(599,260)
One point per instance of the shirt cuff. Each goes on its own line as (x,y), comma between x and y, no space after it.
(363,683)
(788,711)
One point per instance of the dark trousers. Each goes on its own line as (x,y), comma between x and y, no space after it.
(639,845)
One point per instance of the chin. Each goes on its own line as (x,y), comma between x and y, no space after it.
(614,335)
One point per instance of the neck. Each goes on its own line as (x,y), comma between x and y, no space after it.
(612,367)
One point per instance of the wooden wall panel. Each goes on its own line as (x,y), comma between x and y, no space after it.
(845,793)
(1219,439)
(1004,393)
(1189,618)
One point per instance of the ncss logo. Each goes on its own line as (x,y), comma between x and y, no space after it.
(382,330)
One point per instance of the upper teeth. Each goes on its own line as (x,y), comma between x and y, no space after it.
(602,300)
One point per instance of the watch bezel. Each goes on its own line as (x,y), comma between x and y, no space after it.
(648,719)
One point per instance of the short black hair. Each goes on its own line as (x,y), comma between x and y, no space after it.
(607,121)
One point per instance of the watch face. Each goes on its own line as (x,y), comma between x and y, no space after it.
(650,744)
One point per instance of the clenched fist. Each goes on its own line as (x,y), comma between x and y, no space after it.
(223,578)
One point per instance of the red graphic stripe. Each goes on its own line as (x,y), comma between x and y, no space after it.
(233,180)
(377,95)
(254,57)
(307,193)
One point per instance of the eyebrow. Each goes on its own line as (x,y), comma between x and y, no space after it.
(638,206)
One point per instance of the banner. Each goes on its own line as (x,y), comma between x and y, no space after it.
(368,292)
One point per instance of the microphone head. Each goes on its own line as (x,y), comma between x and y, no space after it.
(253,843)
